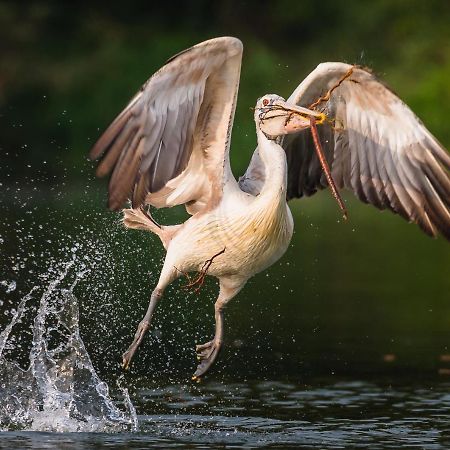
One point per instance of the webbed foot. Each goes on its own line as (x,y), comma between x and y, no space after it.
(206,354)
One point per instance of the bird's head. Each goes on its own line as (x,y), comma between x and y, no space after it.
(275,117)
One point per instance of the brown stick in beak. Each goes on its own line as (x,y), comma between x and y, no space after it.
(326,167)
(327,96)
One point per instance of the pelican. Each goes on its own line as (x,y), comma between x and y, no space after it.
(341,127)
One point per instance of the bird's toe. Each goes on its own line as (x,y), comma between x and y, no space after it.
(206,354)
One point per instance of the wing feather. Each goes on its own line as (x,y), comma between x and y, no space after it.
(121,182)
(115,149)
(377,148)
(158,148)
(381,150)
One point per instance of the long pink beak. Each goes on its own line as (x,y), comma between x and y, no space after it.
(299,118)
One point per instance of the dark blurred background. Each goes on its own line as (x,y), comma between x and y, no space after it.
(362,297)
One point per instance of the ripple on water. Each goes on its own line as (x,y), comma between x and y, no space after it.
(275,415)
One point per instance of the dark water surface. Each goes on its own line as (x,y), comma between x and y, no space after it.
(270,414)
(342,344)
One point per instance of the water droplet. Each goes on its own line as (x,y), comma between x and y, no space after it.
(10,286)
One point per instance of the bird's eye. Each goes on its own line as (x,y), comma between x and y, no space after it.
(265,102)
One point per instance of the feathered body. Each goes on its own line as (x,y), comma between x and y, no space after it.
(254,232)
(170,146)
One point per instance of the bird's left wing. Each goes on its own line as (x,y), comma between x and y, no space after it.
(170,145)
(374,144)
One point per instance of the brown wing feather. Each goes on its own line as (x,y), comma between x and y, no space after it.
(148,147)
(378,149)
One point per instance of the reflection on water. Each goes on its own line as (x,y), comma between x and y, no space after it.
(276,415)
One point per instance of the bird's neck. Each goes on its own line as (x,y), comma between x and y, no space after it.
(275,166)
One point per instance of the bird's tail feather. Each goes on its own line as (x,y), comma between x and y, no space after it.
(139,219)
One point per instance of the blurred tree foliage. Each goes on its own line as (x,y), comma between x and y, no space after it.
(66,69)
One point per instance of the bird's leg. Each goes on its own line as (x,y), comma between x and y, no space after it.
(143,327)
(207,353)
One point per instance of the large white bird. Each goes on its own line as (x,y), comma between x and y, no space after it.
(170,146)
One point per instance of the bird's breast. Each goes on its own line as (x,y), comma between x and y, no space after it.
(252,238)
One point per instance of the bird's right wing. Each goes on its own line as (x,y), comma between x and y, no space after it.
(374,144)
(376,147)
(170,145)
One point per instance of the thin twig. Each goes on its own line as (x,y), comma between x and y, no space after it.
(200,278)
(327,96)
(265,111)
(326,167)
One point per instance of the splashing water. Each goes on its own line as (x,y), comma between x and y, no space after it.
(60,390)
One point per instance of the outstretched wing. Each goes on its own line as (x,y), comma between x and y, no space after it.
(375,146)
(170,145)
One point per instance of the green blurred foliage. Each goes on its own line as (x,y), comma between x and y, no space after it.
(66,69)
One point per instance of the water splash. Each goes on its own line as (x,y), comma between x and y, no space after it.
(9,285)
(60,390)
